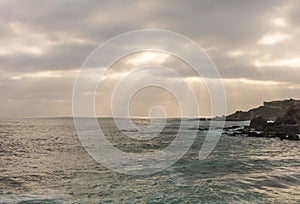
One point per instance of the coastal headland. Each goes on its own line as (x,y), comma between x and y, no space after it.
(275,119)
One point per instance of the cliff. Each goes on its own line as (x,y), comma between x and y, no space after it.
(286,127)
(270,110)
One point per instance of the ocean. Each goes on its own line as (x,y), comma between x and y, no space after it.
(43,161)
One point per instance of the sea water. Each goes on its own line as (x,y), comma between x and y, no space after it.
(43,161)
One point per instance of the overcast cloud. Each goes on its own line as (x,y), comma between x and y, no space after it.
(254,44)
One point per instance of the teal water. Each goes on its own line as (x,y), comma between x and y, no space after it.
(42,161)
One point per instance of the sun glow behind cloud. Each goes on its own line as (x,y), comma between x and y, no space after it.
(272,39)
(148,57)
(45,74)
(293,62)
(236,53)
(254,44)
(280,22)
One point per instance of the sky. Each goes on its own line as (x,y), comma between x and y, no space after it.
(254,45)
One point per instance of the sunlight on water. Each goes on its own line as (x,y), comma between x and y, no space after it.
(41,160)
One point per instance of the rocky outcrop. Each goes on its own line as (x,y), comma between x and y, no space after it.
(270,111)
(292,117)
(239,116)
(258,123)
(285,127)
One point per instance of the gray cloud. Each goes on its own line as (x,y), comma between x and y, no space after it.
(39,36)
(60,57)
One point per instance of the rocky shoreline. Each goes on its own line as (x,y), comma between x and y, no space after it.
(270,110)
(285,127)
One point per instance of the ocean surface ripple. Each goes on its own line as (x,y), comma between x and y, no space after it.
(42,161)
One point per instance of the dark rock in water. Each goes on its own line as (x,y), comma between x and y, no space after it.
(286,127)
(232,127)
(289,137)
(202,129)
(254,134)
(258,123)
